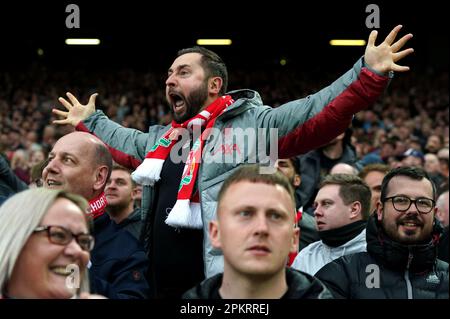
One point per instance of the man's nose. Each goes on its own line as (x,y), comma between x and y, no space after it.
(261,227)
(170,80)
(317,212)
(51,167)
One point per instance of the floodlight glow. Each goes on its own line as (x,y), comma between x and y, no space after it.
(214,42)
(82,41)
(347,42)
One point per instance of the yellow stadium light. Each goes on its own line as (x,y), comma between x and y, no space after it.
(214,42)
(348,42)
(82,41)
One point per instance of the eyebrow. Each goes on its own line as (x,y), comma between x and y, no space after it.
(63,154)
(178,67)
(266,210)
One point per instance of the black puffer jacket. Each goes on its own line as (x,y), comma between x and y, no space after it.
(388,270)
(300,286)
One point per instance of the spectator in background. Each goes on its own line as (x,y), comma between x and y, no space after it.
(444,169)
(341,210)
(37,156)
(44,234)
(19,165)
(413,158)
(373,175)
(10,184)
(308,231)
(431,164)
(36,174)
(433,167)
(316,164)
(343,168)
(401,259)
(120,193)
(380,156)
(434,143)
(442,216)
(442,209)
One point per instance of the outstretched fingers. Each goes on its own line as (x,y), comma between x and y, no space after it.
(399,68)
(400,55)
(72,98)
(92,98)
(60,113)
(392,35)
(65,103)
(400,43)
(61,122)
(372,38)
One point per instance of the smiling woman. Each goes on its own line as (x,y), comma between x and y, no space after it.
(44,245)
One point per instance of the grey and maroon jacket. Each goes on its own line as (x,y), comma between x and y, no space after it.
(302,125)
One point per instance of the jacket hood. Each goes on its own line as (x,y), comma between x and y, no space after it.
(244,99)
(395,255)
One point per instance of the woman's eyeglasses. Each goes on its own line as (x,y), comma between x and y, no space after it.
(62,236)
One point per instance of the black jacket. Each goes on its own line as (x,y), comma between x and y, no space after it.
(300,286)
(388,270)
(133,223)
(10,184)
(119,263)
(443,246)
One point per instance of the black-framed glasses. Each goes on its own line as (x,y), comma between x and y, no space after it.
(402,203)
(62,236)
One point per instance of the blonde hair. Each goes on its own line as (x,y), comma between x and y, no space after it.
(19,216)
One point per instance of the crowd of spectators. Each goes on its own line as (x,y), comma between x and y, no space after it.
(409,125)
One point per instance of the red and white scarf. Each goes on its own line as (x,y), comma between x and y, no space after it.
(187,212)
(97,206)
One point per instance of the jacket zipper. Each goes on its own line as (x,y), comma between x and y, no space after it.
(408,281)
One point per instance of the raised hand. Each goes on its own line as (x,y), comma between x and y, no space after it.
(76,112)
(383,58)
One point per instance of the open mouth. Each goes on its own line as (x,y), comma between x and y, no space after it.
(51,183)
(61,270)
(410,225)
(177,102)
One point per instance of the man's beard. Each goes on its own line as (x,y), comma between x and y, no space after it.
(411,239)
(193,103)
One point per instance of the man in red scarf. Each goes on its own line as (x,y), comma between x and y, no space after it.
(180,196)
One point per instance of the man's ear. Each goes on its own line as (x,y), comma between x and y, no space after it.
(355,210)
(214,234)
(135,192)
(297,180)
(295,240)
(215,85)
(101,175)
(379,211)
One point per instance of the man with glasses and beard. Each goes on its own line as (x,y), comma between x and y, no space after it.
(402,237)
